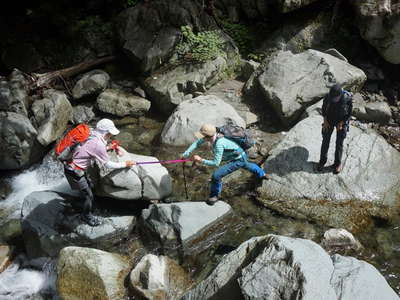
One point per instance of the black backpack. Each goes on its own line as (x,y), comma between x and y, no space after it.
(237,134)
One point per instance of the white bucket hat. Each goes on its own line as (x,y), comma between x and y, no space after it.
(107,125)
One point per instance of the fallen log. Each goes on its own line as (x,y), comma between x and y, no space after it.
(39,80)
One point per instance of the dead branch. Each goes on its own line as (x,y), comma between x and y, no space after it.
(44,79)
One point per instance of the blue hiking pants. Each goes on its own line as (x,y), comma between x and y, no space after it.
(221,172)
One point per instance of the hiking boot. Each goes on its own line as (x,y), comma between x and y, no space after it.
(90,220)
(265,177)
(337,169)
(212,200)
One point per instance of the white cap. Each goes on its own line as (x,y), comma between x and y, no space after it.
(107,125)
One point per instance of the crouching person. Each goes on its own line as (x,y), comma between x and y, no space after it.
(223,150)
(95,148)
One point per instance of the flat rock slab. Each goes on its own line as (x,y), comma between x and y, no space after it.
(47,227)
(367,186)
(181,222)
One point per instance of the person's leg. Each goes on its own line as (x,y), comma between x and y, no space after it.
(87,195)
(216,179)
(253,168)
(340,136)
(326,138)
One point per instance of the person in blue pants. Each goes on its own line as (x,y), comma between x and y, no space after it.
(224,150)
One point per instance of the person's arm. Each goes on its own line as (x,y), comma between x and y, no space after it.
(192,147)
(99,152)
(324,112)
(218,152)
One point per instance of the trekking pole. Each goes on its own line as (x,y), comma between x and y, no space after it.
(184,181)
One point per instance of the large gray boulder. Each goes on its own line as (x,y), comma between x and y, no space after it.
(292,82)
(169,89)
(191,114)
(18,145)
(51,115)
(159,277)
(379,24)
(120,103)
(14,93)
(149,31)
(147,181)
(91,83)
(169,225)
(47,227)
(278,267)
(367,186)
(85,273)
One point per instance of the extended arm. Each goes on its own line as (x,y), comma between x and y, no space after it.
(193,147)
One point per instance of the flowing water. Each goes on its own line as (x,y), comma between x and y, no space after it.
(22,281)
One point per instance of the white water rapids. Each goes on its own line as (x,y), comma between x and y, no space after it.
(20,280)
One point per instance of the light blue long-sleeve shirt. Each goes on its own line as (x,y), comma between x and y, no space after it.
(223,149)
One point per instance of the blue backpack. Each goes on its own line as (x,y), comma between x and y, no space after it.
(237,134)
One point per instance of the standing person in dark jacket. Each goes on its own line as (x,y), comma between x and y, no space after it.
(336,110)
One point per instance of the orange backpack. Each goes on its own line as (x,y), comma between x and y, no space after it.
(66,147)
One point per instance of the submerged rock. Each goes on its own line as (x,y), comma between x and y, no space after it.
(48,227)
(85,273)
(278,267)
(367,187)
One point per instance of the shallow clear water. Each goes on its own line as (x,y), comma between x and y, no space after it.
(382,245)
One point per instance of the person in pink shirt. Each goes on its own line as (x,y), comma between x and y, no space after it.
(95,148)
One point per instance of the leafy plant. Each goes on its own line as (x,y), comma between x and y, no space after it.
(201,46)
(129,3)
(243,36)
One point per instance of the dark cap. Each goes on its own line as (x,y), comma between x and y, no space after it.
(335,92)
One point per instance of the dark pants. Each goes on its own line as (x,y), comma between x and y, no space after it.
(82,183)
(216,179)
(326,138)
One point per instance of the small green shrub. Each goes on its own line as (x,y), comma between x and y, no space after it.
(129,3)
(243,36)
(200,47)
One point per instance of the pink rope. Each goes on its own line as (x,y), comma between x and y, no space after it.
(163,161)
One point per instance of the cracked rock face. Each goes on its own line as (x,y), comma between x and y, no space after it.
(147,181)
(277,267)
(379,24)
(367,186)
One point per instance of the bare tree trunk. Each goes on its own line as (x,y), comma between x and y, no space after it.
(41,80)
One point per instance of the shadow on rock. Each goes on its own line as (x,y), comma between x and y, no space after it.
(291,160)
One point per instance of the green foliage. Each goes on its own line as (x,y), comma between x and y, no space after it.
(200,47)
(243,36)
(129,3)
